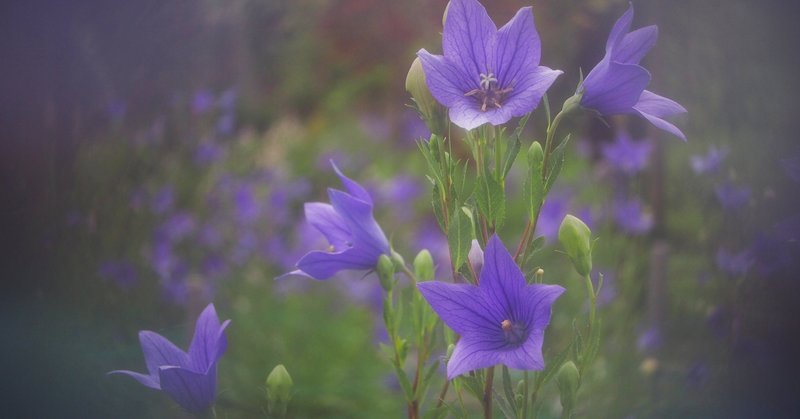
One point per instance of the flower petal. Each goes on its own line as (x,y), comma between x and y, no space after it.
(466,114)
(325,219)
(468,37)
(621,27)
(462,308)
(352,186)
(539,299)
(446,82)
(518,48)
(527,356)
(635,45)
(654,107)
(193,391)
(357,216)
(209,341)
(323,265)
(613,88)
(528,91)
(158,351)
(502,282)
(145,380)
(471,354)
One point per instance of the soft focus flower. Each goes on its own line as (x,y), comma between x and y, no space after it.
(616,84)
(732,197)
(356,240)
(208,153)
(650,340)
(122,272)
(708,163)
(202,101)
(632,218)
(189,378)
(553,211)
(487,75)
(627,155)
(734,263)
(501,321)
(163,200)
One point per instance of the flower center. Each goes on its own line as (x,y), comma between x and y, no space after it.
(513,332)
(488,94)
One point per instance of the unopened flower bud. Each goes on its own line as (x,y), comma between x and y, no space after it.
(569,380)
(431,111)
(423,266)
(385,271)
(279,390)
(539,275)
(475,257)
(575,238)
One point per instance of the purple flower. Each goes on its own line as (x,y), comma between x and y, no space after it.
(163,200)
(208,153)
(122,272)
(189,378)
(627,155)
(487,75)
(734,263)
(616,84)
(553,211)
(203,101)
(732,197)
(632,218)
(501,321)
(356,240)
(650,340)
(708,163)
(791,166)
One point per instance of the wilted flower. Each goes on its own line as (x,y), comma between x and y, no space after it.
(708,163)
(487,75)
(616,84)
(627,155)
(189,378)
(501,321)
(356,240)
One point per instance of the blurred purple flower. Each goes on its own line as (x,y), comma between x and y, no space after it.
(226,124)
(627,155)
(189,378)
(208,153)
(500,321)
(116,110)
(552,213)
(375,126)
(631,217)
(248,209)
(400,194)
(609,291)
(214,267)
(487,75)
(210,236)
(414,127)
(772,255)
(122,272)
(734,263)
(698,374)
(177,227)
(202,102)
(356,240)
(428,236)
(709,162)
(245,247)
(616,85)
(164,200)
(650,340)
(732,197)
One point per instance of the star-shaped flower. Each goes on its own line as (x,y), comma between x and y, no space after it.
(189,378)
(617,84)
(356,240)
(500,321)
(487,75)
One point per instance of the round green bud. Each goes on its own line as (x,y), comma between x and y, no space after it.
(423,266)
(431,111)
(385,271)
(279,390)
(576,239)
(569,380)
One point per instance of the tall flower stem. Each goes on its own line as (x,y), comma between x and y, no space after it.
(487,393)
(593,301)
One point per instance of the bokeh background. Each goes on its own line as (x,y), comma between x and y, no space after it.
(155,155)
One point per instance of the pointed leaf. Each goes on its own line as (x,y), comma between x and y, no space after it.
(534,183)
(558,160)
(459,237)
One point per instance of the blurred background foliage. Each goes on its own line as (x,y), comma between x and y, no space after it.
(156,155)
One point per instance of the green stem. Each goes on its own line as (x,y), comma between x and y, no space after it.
(593,300)
(525,395)
(487,393)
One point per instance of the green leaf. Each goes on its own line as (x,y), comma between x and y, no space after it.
(459,237)
(558,160)
(505,405)
(405,383)
(552,366)
(534,190)
(491,200)
(438,211)
(426,379)
(516,144)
